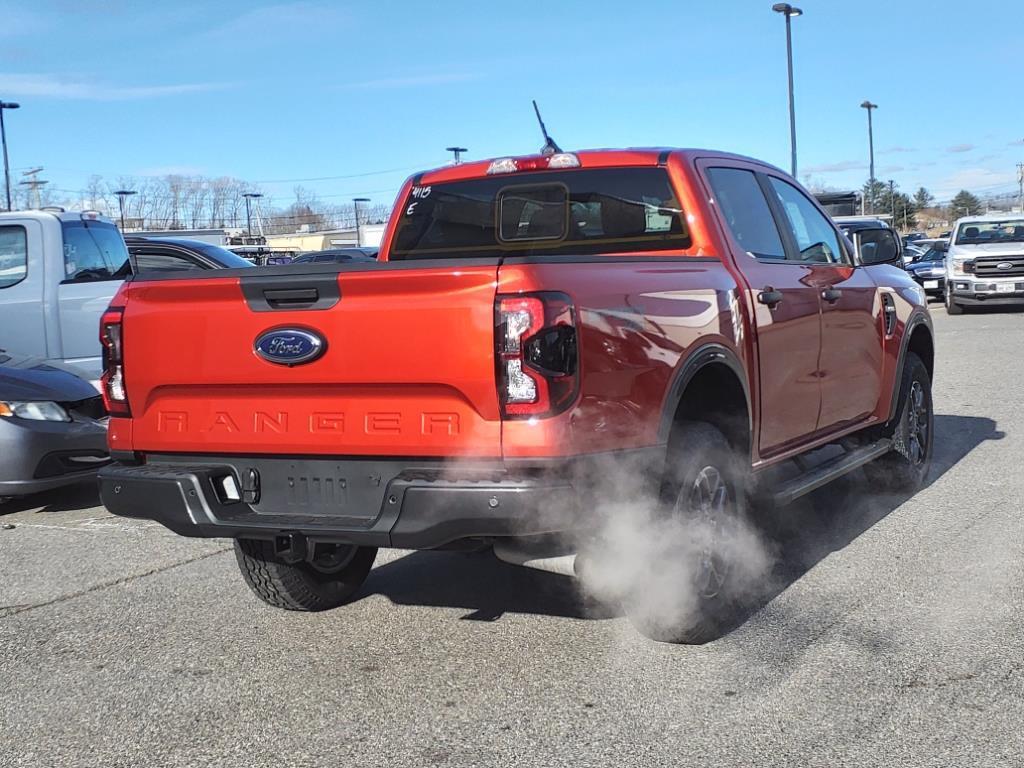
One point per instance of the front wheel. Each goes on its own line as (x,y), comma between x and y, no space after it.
(952,308)
(905,468)
(329,580)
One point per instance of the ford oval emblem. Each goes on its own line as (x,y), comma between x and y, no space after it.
(290,346)
(1004,265)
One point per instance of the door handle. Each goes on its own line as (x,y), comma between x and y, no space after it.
(769,297)
(831,295)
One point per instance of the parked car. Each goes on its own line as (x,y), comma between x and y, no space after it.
(929,271)
(58,272)
(179,254)
(336,256)
(53,426)
(912,253)
(985,262)
(539,334)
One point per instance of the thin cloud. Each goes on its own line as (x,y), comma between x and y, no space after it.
(845,165)
(896,150)
(1017,143)
(960,148)
(413,81)
(974,180)
(891,169)
(58,87)
(272,23)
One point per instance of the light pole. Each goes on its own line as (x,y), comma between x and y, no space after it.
(789,12)
(3,137)
(892,201)
(871,153)
(457,151)
(355,204)
(249,197)
(121,195)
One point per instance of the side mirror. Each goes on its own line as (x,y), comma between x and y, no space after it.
(876,246)
(942,247)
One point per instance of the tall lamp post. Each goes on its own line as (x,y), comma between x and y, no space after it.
(457,151)
(249,197)
(871,152)
(121,195)
(3,137)
(790,12)
(355,204)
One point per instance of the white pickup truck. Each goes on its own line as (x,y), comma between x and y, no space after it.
(985,262)
(58,272)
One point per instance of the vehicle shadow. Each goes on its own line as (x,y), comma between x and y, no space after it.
(71,498)
(805,533)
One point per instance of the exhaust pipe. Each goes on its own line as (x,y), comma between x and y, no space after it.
(517,553)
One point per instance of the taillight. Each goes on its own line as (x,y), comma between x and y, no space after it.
(112,338)
(533,163)
(536,354)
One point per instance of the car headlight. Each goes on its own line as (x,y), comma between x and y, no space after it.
(42,410)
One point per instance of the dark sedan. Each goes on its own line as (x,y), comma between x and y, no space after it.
(179,254)
(929,271)
(53,426)
(337,256)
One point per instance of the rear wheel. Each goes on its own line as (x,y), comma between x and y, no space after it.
(702,557)
(330,579)
(905,468)
(952,307)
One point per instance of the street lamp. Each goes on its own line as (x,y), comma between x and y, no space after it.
(355,204)
(457,151)
(789,12)
(121,195)
(871,152)
(249,197)
(3,137)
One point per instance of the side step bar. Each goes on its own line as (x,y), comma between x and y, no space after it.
(825,473)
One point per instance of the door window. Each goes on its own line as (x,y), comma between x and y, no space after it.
(13,256)
(166,261)
(816,239)
(746,212)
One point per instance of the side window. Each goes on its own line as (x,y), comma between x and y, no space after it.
(13,256)
(746,212)
(93,252)
(816,239)
(166,261)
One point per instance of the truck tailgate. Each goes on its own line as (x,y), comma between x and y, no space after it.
(408,368)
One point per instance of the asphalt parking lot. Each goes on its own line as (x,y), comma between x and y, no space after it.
(892,636)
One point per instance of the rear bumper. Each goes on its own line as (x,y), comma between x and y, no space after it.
(367,502)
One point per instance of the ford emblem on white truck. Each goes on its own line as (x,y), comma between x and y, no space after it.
(289,346)
(1004,265)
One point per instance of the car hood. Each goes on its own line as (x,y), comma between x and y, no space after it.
(926,266)
(34,378)
(986,249)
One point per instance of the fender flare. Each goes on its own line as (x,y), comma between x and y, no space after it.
(705,355)
(917,318)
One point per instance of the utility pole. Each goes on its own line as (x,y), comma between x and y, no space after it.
(871,151)
(355,204)
(33,182)
(892,201)
(1020,181)
(3,137)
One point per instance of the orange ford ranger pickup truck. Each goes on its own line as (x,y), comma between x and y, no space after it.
(530,322)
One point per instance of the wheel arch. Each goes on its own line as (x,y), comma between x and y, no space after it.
(919,338)
(712,381)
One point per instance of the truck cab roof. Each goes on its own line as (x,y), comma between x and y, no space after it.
(55,214)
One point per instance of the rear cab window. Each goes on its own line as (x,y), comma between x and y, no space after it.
(579,212)
(13,256)
(93,250)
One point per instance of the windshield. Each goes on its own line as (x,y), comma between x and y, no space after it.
(93,250)
(933,254)
(607,210)
(983,232)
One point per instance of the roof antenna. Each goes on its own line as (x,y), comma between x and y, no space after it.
(549,147)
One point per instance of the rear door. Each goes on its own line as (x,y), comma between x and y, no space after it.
(408,367)
(785,302)
(850,365)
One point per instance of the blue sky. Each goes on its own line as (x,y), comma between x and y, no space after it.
(285,93)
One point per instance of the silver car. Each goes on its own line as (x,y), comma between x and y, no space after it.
(53,426)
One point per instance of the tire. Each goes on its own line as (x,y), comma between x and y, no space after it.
(905,468)
(952,308)
(696,578)
(303,586)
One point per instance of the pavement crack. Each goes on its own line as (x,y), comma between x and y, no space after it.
(13,610)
